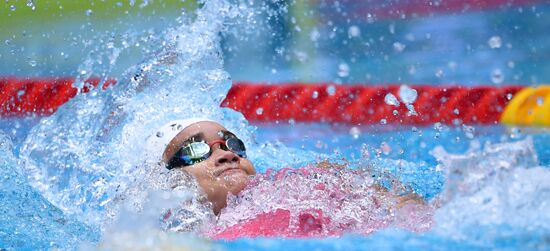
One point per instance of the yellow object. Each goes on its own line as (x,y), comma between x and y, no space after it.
(530,106)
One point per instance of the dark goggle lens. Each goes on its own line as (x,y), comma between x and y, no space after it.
(196,150)
(237,146)
(199,151)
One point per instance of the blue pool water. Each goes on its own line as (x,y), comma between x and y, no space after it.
(80,178)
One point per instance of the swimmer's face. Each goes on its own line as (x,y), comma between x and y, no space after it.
(222,172)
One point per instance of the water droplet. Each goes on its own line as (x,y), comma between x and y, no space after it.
(407,94)
(370,18)
(315,94)
(383,121)
(331,90)
(292,121)
(343,70)
(385,148)
(89,12)
(260,111)
(83,72)
(12,7)
(390,99)
(354,31)
(456,111)
(509,96)
(511,64)
(497,77)
(468,131)
(439,73)
(452,65)
(412,69)
(398,47)
(395,112)
(160,134)
(7,42)
(355,132)
(411,112)
(540,101)
(30,3)
(438,126)
(314,35)
(515,133)
(20,93)
(495,42)
(32,63)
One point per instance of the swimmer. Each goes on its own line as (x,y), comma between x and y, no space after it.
(217,159)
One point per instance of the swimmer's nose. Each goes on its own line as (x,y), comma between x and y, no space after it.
(225,157)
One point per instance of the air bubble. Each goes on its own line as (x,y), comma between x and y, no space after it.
(383,121)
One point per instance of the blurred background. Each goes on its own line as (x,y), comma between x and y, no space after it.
(434,42)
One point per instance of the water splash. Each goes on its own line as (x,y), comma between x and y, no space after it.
(28,220)
(494,192)
(89,157)
(351,200)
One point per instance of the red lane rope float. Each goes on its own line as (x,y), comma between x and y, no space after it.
(297,102)
(39,96)
(360,104)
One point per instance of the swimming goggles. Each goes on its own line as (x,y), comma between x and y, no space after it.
(196,152)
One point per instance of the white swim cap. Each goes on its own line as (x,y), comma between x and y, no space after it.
(157,143)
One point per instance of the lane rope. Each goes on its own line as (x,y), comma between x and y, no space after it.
(329,103)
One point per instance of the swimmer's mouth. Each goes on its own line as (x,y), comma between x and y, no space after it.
(228,169)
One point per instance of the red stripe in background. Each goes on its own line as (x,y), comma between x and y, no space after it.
(415,8)
(299,102)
